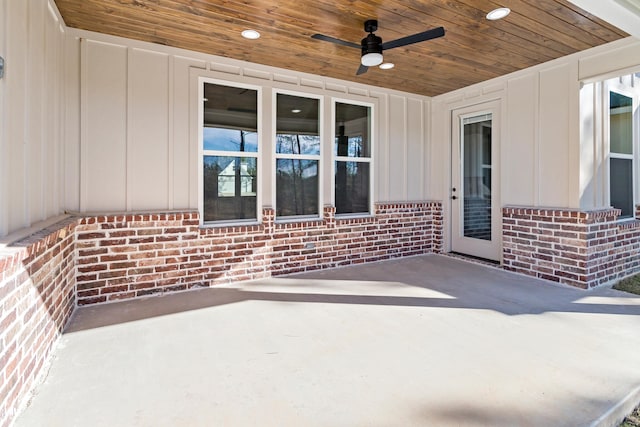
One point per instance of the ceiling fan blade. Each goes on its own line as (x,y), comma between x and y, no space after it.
(416,38)
(361,69)
(335,40)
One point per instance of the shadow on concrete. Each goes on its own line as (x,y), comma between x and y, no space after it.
(427,281)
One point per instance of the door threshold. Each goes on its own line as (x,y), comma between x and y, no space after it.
(472,258)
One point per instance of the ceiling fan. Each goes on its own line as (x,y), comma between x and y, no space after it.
(372,45)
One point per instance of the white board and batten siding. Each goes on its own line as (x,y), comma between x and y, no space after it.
(544,159)
(96,123)
(139,125)
(33,113)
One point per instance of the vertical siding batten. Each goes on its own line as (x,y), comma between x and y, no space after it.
(170,133)
(589,149)
(4,173)
(147,131)
(521,137)
(84,126)
(105,116)
(573,123)
(554,166)
(16,115)
(182,150)
(128,135)
(415,149)
(427,151)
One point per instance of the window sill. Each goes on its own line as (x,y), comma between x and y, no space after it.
(297,219)
(354,218)
(628,223)
(299,222)
(239,223)
(229,227)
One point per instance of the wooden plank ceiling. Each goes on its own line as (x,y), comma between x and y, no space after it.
(473,49)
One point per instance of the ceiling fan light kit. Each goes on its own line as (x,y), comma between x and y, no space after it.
(371,59)
(372,46)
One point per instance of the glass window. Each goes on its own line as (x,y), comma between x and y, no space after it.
(230,149)
(621,194)
(620,123)
(352,150)
(476,167)
(621,153)
(297,149)
(297,187)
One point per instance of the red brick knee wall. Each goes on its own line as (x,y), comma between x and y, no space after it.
(578,248)
(37,297)
(128,256)
(105,258)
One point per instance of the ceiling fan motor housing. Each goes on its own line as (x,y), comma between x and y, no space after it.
(371,44)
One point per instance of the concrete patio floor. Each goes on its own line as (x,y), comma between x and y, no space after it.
(423,341)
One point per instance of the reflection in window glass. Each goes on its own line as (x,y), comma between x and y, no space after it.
(297,148)
(476,178)
(352,178)
(230,186)
(230,122)
(621,179)
(297,183)
(230,140)
(352,130)
(620,123)
(621,153)
(352,149)
(297,144)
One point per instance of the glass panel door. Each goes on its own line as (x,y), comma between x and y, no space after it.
(475,209)
(476,169)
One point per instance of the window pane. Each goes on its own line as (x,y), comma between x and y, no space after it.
(296,187)
(230,118)
(230,185)
(620,123)
(352,187)
(297,125)
(353,124)
(476,177)
(297,144)
(230,140)
(621,181)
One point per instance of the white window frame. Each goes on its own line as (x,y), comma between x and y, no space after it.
(279,156)
(618,87)
(335,158)
(202,152)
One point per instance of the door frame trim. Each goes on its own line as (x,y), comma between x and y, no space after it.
(495,107)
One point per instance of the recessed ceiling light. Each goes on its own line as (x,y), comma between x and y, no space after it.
(387,65)
(498,13)
(296,110)
(251,34)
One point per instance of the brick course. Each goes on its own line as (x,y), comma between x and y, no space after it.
(574,247)
(127,256)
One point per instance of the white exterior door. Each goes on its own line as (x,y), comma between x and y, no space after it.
(475,203)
